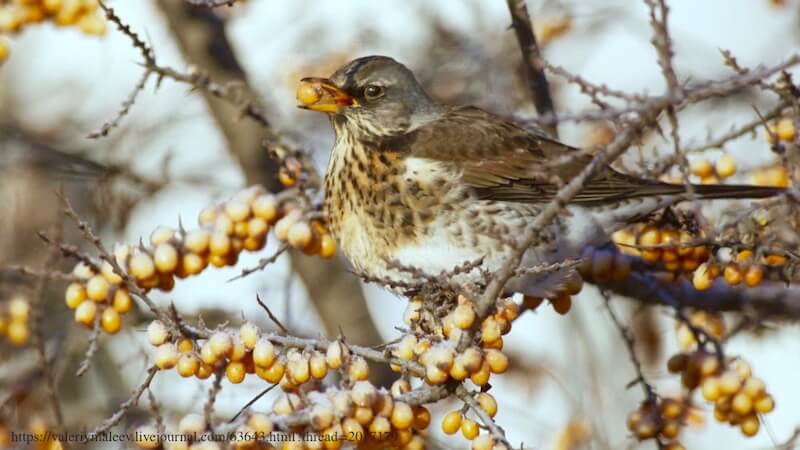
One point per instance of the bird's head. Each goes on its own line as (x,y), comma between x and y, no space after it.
(371,97)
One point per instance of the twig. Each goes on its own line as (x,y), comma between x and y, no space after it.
(272,317)
(498,433)
(208,407)
(92,349)
(252,401)
(132,401)
(124,109)
(532,62)
(262,263)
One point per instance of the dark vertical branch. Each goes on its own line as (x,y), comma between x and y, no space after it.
(532,64)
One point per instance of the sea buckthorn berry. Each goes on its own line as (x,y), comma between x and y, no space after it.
(208,216)
(122,301)
(166,355)
(97,288)
(283,225)
(701,168)
(188,364)
(358,370)
(764,404)
(300,234)
(488,403)
(297,368)
(204,371)
(18,333)
(86,312)
(353,430)
(561,304)
(733,274)
(702,279)
(265,206)
(321,417)
(274,373)
(498,362)
(141,266)
(248,333)
(327,246)
(363,415)
(143,437)
(451,422)
(405,348)
(157,332)
(742,404)
(162,234)
(490,330)
(221,343)
(400,387)
(463,316)
(729,383)
(335,354)
(422,417)
(219,244)
(260,423)
(483,442)
(75,294)
(83,271)
(196,241)
(238,210)
(380,428)
(238,351)
(742,368)
(753,276)
(363,393)
(192,264)
(110,321)
(785,130)
(481,376)
(318,366)
(469,429)
(754,388)
(286,177)
(264,353)
(235,372)
(726,166)
(166,258)
(402,416)
(749,425)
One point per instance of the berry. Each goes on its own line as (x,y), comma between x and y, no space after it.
(74,295)
(358,370)
(451,422)
(166,356)
(488,403)
(97,288)
(86,312)
(422,417)
(264,353)
(235,372)
(166,258)
(188,365)
(110,321)
(18,333)
(141,266)
(726,166)
(785,130)
(402,416)
(300,235)
(469,429)
(157,333)
(221,343)
(122,301)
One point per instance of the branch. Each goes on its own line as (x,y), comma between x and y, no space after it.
(533,65)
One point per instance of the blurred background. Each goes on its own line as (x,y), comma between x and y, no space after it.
(178,151)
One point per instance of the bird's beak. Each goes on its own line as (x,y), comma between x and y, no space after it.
(320,94)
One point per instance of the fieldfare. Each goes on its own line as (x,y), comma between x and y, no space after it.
(416,183)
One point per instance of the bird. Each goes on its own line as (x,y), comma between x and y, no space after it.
(417,186)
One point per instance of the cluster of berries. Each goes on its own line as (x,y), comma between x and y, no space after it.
(250,352)
(17,14)
(711,173)
(660,418)
(14,317)
(745,267)
(457,420)
(225,230)
(737,396)
(561,301)
(652,244)
(439,358)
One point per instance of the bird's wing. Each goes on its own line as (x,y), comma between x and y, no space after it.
(504,162)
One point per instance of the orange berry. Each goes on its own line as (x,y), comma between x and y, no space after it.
(166,355)
(299,235)
(561,304)
(498,362)
(702,279)
(451,422)
(192,264)
(753,276)
(75,294)
(122,301)
(785,130)
(157,332)
(422,417)
(97,288)
(764,404)
(188,365)
(359,370)
(166,258)
(327,246)
(488,403)
(749,425)
(235,372)
(86,312)
(726,166)
(141,266)
(196,241)
(18,333)
(273,373)
(219,244)
(732,274)
(402,416)
(110,321)
(469,429)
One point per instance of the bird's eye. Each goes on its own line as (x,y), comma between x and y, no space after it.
(373,91)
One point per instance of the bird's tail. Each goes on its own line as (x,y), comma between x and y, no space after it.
(722,191)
